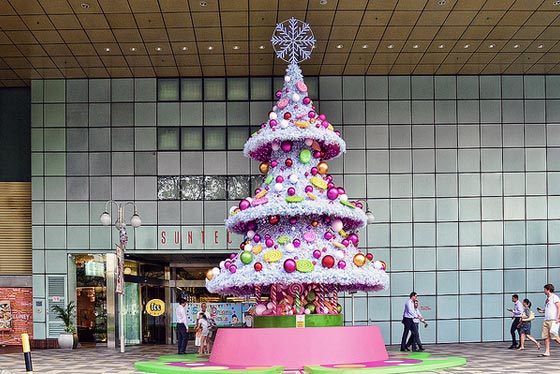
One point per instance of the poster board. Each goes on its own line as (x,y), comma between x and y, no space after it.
(6,317)
(224,314)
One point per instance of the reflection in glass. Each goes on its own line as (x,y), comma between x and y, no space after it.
(191,188)
(191,138)
(215,187)
(238,187)
(168,188)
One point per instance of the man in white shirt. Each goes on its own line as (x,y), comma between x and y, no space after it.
(182,326)
(517,313)
(408,321)
(551,314)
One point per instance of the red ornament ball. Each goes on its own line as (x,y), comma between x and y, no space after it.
(273,220)
(369,256)
(287,115)
(289,162)
(258,266)
(327,261)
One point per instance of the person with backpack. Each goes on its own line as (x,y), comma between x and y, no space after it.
(551,313)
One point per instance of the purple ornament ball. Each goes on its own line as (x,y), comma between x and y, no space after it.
(309,188)
(286,146)
(359,205)
(227,264)
(290,265)
(296,243)
(252,225)
(293,220)
(291,191)
(278,94)
(316,253)
(316,154)
(257,238)
(341,264)
(314,171)
(332,193)
(345,242)
(232,268)
(306,100)
(273,123)
(279,179)
(269,242)
(341,191)
(354,239)
(311,114)
(328,235)
(244,204)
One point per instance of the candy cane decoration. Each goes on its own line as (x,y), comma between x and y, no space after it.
(258,294)
(335,299)
(284,297)
(321,297)
(273,297)
(296,289)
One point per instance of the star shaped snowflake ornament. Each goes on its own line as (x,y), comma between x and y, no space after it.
(293,40)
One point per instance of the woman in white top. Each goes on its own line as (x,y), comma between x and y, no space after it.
(202,326)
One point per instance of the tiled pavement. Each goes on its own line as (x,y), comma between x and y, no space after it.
(481,358)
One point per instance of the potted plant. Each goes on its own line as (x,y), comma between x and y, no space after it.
(68,339)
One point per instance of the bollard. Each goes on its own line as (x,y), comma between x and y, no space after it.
(27,353)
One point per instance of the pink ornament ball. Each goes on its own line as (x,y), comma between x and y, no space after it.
(325,124)
(227,264)
(322,117)
(293,220)
(257,238)
(337,133)
(314,171)
(286,146)
(306,100)
(279,179)
(269,242)
(311,114)
(341,191)
(328,235)
(232,255)
(244,204)
(332,193)
(341,264)
(359,205)
(345,242)
(316,253)
(291,191)
(274,163)
(273,123)
(289,265)
(259,309)
(296,243)
(308,188)
(317,154)
(232,268)
(278,94)
(354,239)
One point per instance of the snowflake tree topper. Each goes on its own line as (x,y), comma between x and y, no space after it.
(293,40)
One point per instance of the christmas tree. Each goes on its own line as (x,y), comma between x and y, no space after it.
(301,242)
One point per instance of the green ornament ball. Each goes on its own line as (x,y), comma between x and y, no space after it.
(311,296)
(246,257)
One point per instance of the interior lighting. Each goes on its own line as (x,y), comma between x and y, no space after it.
(491,46)
(441,46)
(339,46)
(390,46)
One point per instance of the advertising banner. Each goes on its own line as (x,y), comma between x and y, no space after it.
(16,314)
(224,314)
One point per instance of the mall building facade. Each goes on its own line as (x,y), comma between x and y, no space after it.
(461,172)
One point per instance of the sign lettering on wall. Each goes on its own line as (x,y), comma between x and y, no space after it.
(196,237)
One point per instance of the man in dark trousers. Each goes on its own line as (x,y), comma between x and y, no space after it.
(182,326)
(516,317)
(408,322)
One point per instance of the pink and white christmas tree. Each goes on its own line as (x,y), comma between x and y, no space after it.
(301,232)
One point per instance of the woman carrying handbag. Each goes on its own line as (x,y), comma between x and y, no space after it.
(525,326)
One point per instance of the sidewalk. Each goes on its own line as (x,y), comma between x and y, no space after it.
(481,358)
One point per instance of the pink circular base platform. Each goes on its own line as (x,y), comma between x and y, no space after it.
(294,348)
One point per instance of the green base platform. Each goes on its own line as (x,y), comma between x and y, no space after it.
(397,363)
(311,320)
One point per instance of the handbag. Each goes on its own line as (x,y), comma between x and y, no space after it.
(197,338)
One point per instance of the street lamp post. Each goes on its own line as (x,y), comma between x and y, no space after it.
(120,225)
